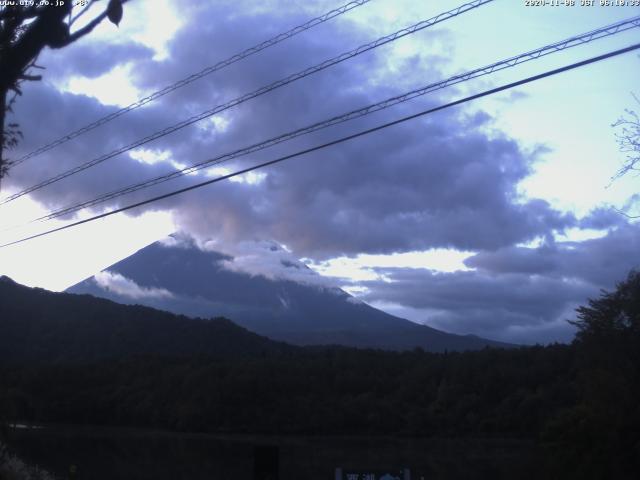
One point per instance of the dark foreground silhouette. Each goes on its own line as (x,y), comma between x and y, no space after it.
(578,403)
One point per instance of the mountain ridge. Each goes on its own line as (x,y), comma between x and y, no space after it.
(42,326)
(186,280)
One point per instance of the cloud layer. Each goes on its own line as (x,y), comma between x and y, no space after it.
(514,293)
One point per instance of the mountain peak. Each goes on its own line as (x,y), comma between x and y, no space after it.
(297,308)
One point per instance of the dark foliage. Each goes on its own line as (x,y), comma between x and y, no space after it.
(42,326)
(604,425)
(578,401)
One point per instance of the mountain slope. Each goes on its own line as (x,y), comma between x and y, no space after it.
(184,279)
(38,325)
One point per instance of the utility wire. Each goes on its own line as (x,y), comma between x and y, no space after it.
(335,142)
(581,39)
(196,76)
(261,91)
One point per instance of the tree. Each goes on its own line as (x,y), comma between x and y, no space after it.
(25,30)
(604,426)
(613,316)
(628,137)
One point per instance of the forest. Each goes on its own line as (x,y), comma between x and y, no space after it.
(578,402)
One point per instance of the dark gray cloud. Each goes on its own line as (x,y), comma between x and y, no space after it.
(508,307)
(514,294)
(602,218)
(415,186)
(46,113)
(601,261)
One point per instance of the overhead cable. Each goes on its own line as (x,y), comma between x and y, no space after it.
(256,93)
(192,78)
(573,41)
(332,143)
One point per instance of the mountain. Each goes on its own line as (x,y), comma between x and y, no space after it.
(41,326)
(181,278)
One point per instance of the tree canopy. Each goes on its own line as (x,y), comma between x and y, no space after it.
(614,313)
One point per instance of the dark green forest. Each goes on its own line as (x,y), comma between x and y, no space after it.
(579,402)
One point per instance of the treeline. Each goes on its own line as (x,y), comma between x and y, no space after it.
(579,401)
(544,393)
(336,391)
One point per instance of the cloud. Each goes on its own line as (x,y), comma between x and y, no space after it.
(497,307)
(268,260)
(513,96)
(601,261)
(421,185)
(602,218)
(116,283)
(413,188)
(93,59)
(515,294)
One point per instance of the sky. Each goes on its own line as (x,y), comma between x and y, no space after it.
(495,218)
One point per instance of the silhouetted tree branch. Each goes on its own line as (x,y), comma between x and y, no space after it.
(24,32)
(628,137)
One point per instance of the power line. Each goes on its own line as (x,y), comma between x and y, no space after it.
(335,142)
(581,39)
(261,91)
(196,76)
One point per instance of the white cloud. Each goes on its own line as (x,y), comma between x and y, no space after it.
(116,283)
(150,156)
(268,260)
(361,267)
(112,88)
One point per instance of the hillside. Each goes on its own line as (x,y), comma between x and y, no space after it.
(38,325)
